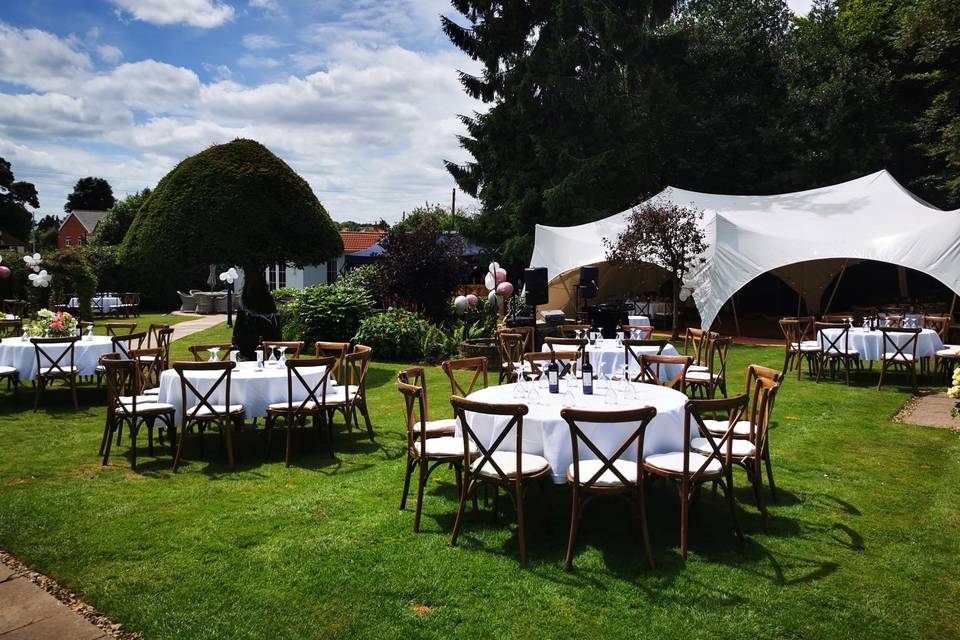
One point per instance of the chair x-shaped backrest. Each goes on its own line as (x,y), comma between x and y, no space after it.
(907,352)
(416,377)
(203,399)
(635,349)
(476,365)
(337,350)
(940,324)
(310,389)
(122,379)
(567,344)
(123,344)
(570,330)
(511,350)
(120,328)
(576,417)
(149,364)
(761,409)
(834,338)
(201,352)
(650,370)
(356,363)
(791,332)
(733,408)
(693,344)
(718,350)
(414,400)
(47,360)
(637,332)
(514,412)
(293,348)
(566,361)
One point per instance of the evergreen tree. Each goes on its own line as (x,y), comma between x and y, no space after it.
(90,194)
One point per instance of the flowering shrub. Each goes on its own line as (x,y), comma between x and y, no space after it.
(954,391)
(52,325)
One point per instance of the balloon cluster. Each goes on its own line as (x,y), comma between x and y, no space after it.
(4,270)
(39,277)
(229,276)
(497,287)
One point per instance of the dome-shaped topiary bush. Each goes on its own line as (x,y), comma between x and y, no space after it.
(235,203)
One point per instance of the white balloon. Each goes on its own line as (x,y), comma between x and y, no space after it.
(492,268)
(492,298)
(490,282)
(684,294)
(461,304)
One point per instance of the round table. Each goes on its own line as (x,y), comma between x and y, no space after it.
(20,354)
(546,434)
(608,358)
(869,344)
(99,304)
(638,321)
(252,388)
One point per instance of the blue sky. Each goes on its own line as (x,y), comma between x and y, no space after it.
(359,96)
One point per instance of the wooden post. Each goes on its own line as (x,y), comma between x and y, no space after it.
(843,270)
(453,204)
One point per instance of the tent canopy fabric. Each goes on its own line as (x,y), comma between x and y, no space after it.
(869,218)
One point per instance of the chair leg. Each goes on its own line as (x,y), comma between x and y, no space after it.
(421,483)
(766,460)
(133,443)
(105,448)
(684,516)
(883,369)
(757,478)
(406,482)
(521,526)
(819,372)
(37,390)
(227,428)
(176,457)
(73,392)
(574,518)
(467,488)
(643,522)
(289,441)
(728,490)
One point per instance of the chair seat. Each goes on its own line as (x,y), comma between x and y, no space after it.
(740,448)
(8,371)
(697,367)
(898,357)
(61,371)
(284,407)
(589,468)
(447,425)
(530,464)
(151,392)
(673,463)
(805,346)
(719,427)
(839,351)
(218,409)
(154,408)
(141,399)
(447,447)
(338,395)
(943,353)
(700,376)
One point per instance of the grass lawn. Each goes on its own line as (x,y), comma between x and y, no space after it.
(863,542)
(143,322)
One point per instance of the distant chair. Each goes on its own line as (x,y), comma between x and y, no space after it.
(55,361)
(899,354)
(570,330)
(650,365)
(201,352)
(12,376)
(126,406)
(637,332)
(206,412)
(188,304)
(11,328)
(290,349)
(475,366)
(295,412)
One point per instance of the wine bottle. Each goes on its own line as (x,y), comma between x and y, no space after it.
(553,376)
(587,371)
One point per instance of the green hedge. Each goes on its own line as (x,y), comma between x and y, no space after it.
(325,312)
(395,335)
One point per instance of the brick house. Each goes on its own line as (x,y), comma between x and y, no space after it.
(77,226)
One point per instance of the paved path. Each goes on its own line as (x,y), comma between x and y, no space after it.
(29,612)
(184,329)
(930,411)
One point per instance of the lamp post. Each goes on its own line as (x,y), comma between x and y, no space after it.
(229,277)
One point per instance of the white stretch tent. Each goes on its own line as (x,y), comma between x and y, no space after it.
(870,218)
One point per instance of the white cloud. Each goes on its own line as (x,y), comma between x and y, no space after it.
(258,62)
(109,53)
(54,114)
(267,6)
(205,14)
(148,84)
(38,59)
(800,7)
(257,41)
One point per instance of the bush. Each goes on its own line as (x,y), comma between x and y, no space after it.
(106,267)
(362,277)
(71,274)
(436,345)
(325,312)
(396,334)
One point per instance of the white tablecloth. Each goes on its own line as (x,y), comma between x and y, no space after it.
(546,434)
(14,352)
(99,305)
(249,387)
(608,358)
(870,343)
(638,321)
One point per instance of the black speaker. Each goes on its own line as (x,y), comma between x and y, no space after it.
(588,281)
(535,280)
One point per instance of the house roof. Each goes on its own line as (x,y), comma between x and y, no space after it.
(8,240)
(89,219)
(359,240)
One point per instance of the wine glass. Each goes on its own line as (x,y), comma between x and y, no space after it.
(259,354)
(569,397)
(214,354)
(610,397)
(282,360)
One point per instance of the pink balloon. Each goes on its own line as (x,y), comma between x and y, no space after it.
(505,289)
(501,275)
(472,300)
(4,272)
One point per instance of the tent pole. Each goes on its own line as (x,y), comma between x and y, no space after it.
(843,270)
(953,304)
(736,320)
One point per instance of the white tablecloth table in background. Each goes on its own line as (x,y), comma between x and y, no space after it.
(546,434)
(608,358)
(98,304)
(869,344)
(638,321)
(249,387)
(20,354)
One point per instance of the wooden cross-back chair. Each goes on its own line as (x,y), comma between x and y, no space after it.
(511,347)
(53,366)
(570,330)
(607,473)
(350,395)
(747,449)
(940,324)
(123,343)
(426,449)
(535,363)
(12,376)
(634,349)
(899,356)
(206,412)
(712,376)
(650,370)
(127,407)
(891,321)
(294,412)
(153,334)
(493,462)
(526,332)
(797,349)
(475,366)
(201,352)
(293,348)
(565,345)
(337,350)
(691,468)
(417,377)
(637,332)
(120,328)
(695,346)
(149,362)
(836,318)
(834,340)
(11,328)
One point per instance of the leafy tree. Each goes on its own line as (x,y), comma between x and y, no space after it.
(114,225)
(48,233)
(662,233)
(90,194)
(235,203)
(421,268)
(14,198)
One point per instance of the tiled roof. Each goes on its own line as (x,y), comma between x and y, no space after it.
(88,219)
(359,240)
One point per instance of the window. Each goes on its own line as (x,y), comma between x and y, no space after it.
(276,276)
(66,241)
(331,271)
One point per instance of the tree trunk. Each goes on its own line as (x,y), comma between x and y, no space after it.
(257,318)
(676,307)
